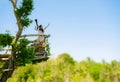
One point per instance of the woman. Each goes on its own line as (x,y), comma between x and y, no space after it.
(40,30)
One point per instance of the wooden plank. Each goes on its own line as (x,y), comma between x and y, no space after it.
(5,55)
(4,59)
(7,70)
(5,49)
(39,57)
(28,35)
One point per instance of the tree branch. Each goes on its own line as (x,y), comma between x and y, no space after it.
(20,28)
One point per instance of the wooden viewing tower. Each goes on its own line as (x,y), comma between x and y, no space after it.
(41,51)
(40,48)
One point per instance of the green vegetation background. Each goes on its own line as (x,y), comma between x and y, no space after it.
(65,69)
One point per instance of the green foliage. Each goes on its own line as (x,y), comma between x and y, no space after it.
(24,53)
(95,70)
(24,11)
(48,49)
(5,39)
(1,66)
(25,74)
(56,71)
(65,58)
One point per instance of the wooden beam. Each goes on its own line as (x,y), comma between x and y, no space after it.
(7,70)
(39,58)
(5,55)
(28,35)
(5,49)
(4,59)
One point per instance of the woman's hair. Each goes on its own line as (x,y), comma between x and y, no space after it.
(41,28)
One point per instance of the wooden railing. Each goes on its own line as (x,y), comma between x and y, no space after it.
(29,35)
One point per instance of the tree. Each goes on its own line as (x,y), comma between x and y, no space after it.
(65,57)
(21,14)
(5,40)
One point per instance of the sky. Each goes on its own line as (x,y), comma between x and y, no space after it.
(82,28)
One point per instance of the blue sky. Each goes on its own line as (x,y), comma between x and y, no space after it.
(82,28)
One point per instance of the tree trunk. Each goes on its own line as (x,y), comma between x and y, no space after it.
(8,73)
(20,29)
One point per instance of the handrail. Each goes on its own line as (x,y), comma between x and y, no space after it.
(5,49)
(28,35)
